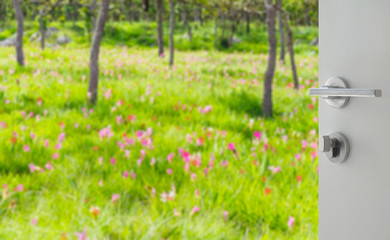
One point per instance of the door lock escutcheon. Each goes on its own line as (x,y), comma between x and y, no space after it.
(335,146)
(336,92)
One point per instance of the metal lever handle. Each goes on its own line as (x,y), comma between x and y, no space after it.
(337,92)
(329,92)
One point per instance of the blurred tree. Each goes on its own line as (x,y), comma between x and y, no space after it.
(94,58)
(19,35)
(160,9)
(46,6)
(171,31)
(269,74)
(281,32)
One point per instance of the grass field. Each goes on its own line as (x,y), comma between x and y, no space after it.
(165,154)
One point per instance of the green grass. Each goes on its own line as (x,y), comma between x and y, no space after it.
(142,35)
(167,102)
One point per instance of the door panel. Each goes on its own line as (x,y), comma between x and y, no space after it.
(354,196)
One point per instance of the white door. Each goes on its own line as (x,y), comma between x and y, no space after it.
(354,195)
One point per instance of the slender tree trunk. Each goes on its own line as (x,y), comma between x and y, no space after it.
(290,47)
(216,32)
(171,31)
(248,22)
(281,33)
(160,28)
(94,58)
(185,22)
(232,30)
(19,35)
(42,30)
(269,74)
(92,8)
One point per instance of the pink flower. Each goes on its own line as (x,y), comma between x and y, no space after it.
(32,167)
(48,166)
(105,133)
(114,197)
(119,120)
(55,156)
(34,221)
(46,143)
(26,148)
(298,156)
(82,236)
(101,183)
(274,169)
(133,175)
(207,109)
(257,135)
(112,161)
(170,157)
(61,137)
(169,171)
(304,144)
(58,146)
(195,210)
(231,146)
(290,222)
(126,174)
(168,197)
(19,188)
(32,135)
(225,215)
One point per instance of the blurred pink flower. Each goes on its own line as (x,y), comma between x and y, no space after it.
(298,156)
(26,148)
(34,221)
(195,210)
(19,188)
(55,156)
(170,157)
(257,135)
(225,215)
(290,222)
(274,169)
(114,197)
(61,137)
(169,171)
(126,174)
(48,166)
(105,133)
(82,236)
(112,161)
(46,143)
(32,168)
(231,146)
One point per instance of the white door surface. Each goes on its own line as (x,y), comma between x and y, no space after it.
(354,196)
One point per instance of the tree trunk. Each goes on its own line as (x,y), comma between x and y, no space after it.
(281,33)
(160,28)
(216,32)
(92,9)
(232,30)
(185,22)
(248,22)
(19,35)
(269,74)
(171,31)
(290,47)
(94,58)
(42,30)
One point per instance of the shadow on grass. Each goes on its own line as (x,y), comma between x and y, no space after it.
(243,103)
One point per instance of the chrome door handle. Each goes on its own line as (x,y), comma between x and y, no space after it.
(337,92)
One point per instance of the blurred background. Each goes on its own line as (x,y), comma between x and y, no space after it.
(159,119)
